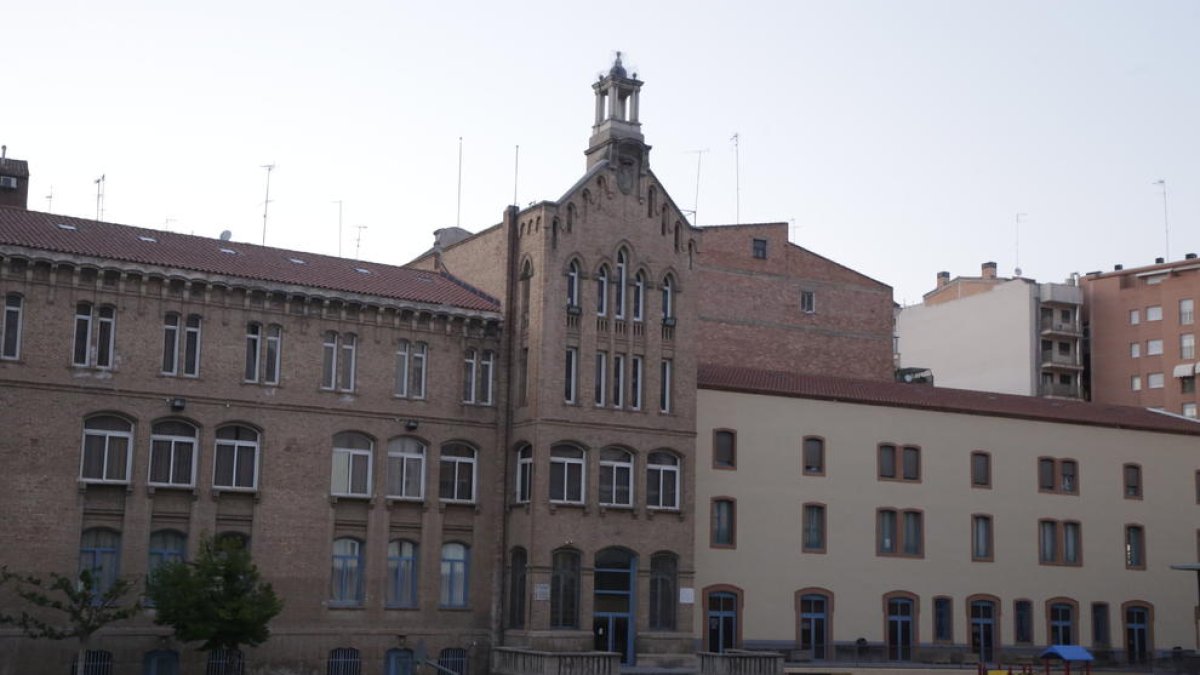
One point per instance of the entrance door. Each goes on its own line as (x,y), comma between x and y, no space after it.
(612,619)
(722,621)
(161,662)
(983,629)
(813,624)
(900,629)
(1137,636)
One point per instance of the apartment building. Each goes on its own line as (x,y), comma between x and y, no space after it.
(855,521)
(1009,335)
(1141,322)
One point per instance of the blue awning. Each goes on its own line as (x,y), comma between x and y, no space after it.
(1066,653)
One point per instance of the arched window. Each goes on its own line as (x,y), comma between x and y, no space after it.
(616,477)
(402,573)
(602,291)
(814,456)
(651,201)
(107,450)
(570,216)
(173,454)
(524,477)
(662,481)
(620,283)
(455,570)
(1061,621)
(351,475)
(343,661)
(566,474)
(814,609)
(901,618)
(564,589)
(524,281)
(456,476)
(722,609)
(678,236)
(517,571)
(1139,631)
(166,546)
(346,581)
(664,596)
(10,327)
(639,295)
(668,298)
(100,557)
(573,284)
(406,468)
(235,466)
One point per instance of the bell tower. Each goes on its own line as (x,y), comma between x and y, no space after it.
(617,131)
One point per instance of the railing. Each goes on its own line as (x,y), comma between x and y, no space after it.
(1060,327)
(736,662)
(510,661)
(1056,389)
(619,326)
(1052,356)
(601,324)
(573,322)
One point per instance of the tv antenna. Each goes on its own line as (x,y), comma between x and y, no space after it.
(266,200)
(1161,182)
(516,172)
(1017,252)
(737,174)
(358,240)
(167,223)
(50,199)
(339,203)
(696,204)
(99,197)
(458,207)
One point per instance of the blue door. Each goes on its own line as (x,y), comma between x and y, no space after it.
(722,621)
(613,628)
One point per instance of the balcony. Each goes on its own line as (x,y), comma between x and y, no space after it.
(1052,359)
(510,661)
(1067,328)
(1057,390)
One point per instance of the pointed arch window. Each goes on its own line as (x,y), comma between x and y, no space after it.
(664,573)
(668,298)
(619,284)
(573,284)
(639,295)
(10,327)
(564,589)
(602,291)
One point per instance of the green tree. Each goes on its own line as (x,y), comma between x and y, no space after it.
(218,599)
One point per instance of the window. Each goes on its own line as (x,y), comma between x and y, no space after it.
(517,576)
(173,454)
(808,302)
(1061,622)
(346,579)
(524,481)
(1058,475)
(399,662)
(274,355)
(456,480)
(1188,410)
(900,533)
(470,365)
(1187,346)
(455,566)
(166,546)
(1154,381)
(616,477)
(573,284)
(910,463)
(1022,621)
(1135,317)
(564,589)
(170,363)
(662,481)
(1135,547)
(566,474)
(263,356)
(664,572)
(1059,542)
(343,661)
(618,381)
(602,291)
(100,557)
(601,377)
(107,450)
(723,532)
(253,349)
(639,296)
(814,456)
(668,298)
(943,620)
(901,625)
(1186,312)
(664,384)
(1101,636)
(454,660)
(981,469)
(636,376)
(95,661)
(411,360)
(1135,383)
(1154,347)
(814,528)
(351,465)
(1135,350)
(758,248)
(981,538)
(887,461)
(478,369)
(571,375)
(1132,474)
(95,335)
(1138,633)
(338,364)
(621,281)
(1154,313)
(236,464)
(724,449)
(813,621)
(406,469)
(402,573)
(10,327)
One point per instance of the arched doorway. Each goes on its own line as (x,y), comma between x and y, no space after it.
(613,626)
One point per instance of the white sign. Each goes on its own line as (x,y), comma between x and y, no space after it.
(541,592)
(687,596)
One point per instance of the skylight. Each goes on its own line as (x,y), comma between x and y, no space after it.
(229,251)
(64,226)
(362,270)
(143,237)
(296,261)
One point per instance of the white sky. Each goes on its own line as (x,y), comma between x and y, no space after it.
(900,138)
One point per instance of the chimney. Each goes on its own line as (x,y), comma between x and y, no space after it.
(943,278)
(1189,256)
(989,270)
(1118,267)
(14,181)
(1159,261)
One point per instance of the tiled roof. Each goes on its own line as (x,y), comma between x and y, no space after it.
(45,231)
(925,397)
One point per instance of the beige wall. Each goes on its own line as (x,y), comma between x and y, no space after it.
(770,489)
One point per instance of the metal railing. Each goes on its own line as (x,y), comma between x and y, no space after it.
(511,661)
(737,662)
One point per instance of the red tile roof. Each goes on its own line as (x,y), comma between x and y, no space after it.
(32,229)
(925,397)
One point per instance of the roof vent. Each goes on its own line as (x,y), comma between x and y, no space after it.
(229,251)
(296,261)
(1189,256)
(1159,261)
(362,270)
(145,238)
(64,226)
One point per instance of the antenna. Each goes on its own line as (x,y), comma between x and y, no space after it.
(167,223)
(458,208)
(358,240)
(266,200)
(696,204)
(99,197)
(737,173)
(339,203)
(226,235)
(1166,230)
(1017,252)
(516,172)
(50,199)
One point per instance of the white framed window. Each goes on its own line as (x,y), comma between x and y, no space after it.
(808,302)
(1189,410)
(411,360)
(339,355)
(639,296)
(10,328)
(618,381)
(487,369)
(573,284)
(662,481)
(601,378)
(1187,346)
(1154,381)
(668,298)
(95,335)
(191,346)
(664,386)
(470,365)
(636,376)
(1135,317)
(567,474)
(263,354)
(253,350)
(329,356)
(1135,382)
(348,362)
(406,469)
(274,356)
(1154,347)
(571,375)
(170,362)
(477,376)
(456,476)
(524,478)
(173,454)
(351,476)
(107,450)
(1187,313)
(1154,313)
(236,460)
(602,291)
(616,477)
(1135,350)
(620,283)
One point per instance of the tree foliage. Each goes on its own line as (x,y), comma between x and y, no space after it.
(77,608)
(219,599)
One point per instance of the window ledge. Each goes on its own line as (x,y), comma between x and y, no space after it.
(153,488)
(443,608)
(84,483)
(344,606)
(218,491)
(392,501)
(367,499)
(452,503)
